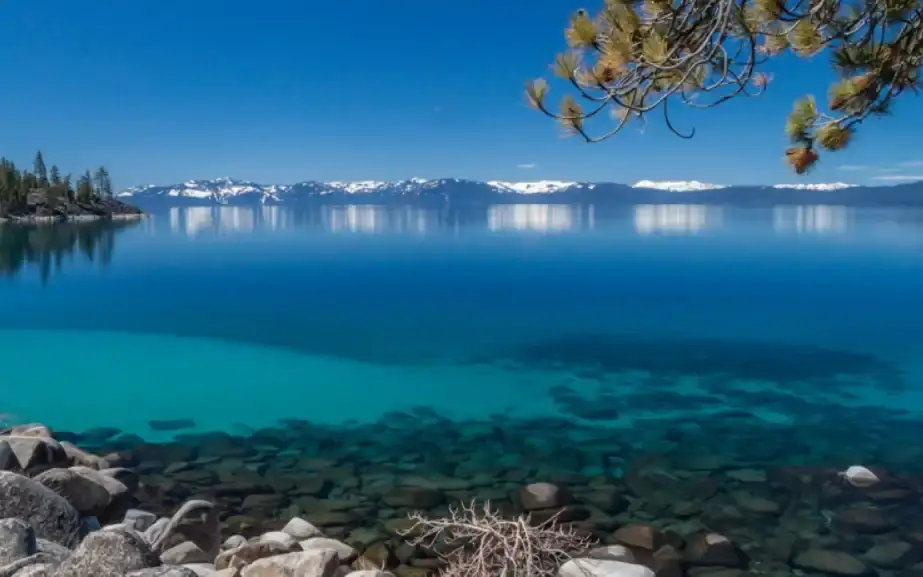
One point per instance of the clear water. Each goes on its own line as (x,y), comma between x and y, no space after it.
(476,351)
(235,317)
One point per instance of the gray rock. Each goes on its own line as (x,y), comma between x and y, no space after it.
(542,496)
(24,563)
(833,562)
(119,494)
(119,526)
(233,542)
(344,552)
(85,493)
(602,568)
(250,552)
(317,563)
(185,552)
(279,536)
(17,540)
(862,519)
(30,430)
(139,520)
(612,553)
(893,555)
(109,554)
(77,456)
(369,573)
(37,452)
(301,529)
(7,458)
(51,516)
(413,497)
(126,477)
(53,551)
(164,571)
(201,569)
(35,570)
(713,549)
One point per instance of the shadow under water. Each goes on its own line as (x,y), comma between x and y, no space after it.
(46,246)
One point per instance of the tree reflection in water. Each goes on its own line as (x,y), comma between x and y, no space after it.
(46,247)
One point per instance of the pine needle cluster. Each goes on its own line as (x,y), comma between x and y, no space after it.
(637,56)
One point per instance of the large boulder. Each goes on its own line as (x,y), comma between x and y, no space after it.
(85,493)
(34,453)
(585,567)
(317,563)
(113,553)
(17,541)
(51,515)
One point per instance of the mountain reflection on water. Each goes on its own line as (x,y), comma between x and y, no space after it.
(47,247)
(652,219)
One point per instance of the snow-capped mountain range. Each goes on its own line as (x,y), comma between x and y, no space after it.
(229,191)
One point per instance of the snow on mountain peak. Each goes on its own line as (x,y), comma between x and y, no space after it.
(677,185)
(821,186)
(537,187)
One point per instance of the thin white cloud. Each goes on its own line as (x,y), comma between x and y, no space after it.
(899,177)
(911,164)
(854,167)
(526,165)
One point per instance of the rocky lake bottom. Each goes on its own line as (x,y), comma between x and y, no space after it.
(775,492)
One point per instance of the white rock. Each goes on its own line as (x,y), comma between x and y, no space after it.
(344,552)
(301,529)
(369,573)
(318,563)
(279,537)
(612,553)
(233,542)
(859,476)
(185,552)
(584,567)
(139,520)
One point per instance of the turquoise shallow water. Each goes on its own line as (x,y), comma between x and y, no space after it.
(235,318)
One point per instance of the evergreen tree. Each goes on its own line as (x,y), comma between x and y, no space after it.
(16,185)
(103,182)
(85,188)
(38,168)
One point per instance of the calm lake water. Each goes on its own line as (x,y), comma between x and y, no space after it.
(647,318)
(689,367)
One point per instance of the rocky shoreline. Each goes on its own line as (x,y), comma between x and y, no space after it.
(302,500)
(55,219)
(42,209)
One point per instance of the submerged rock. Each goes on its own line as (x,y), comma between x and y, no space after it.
(583,567)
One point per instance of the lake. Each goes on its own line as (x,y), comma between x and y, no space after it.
(475,351)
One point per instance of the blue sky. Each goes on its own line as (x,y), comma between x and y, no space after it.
(285,90)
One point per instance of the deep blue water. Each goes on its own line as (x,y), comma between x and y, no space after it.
(646,318)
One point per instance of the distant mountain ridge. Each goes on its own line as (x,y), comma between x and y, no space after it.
(455,191)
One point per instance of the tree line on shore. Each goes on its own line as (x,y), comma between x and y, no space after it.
(17,183)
